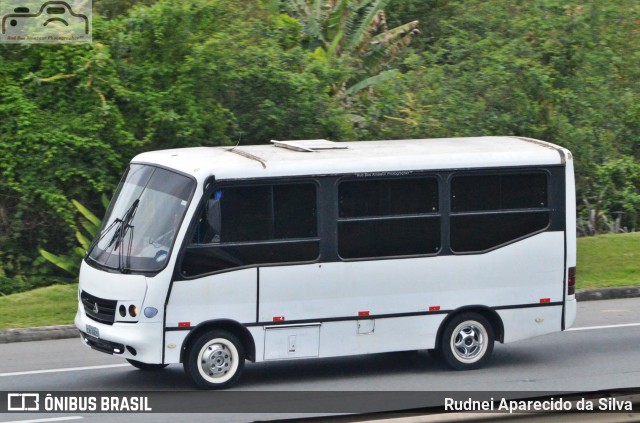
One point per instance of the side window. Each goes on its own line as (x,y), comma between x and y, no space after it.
(491,210)
(498,192)
(388,217)
(254,224)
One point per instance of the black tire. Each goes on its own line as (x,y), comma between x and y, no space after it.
(214,360)
(435,354)
(467,341)
(146,366)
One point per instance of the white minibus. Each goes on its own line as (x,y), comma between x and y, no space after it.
(212,256)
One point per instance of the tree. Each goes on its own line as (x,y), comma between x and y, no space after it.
(612,199)
(88,227)
(564,73)
(62,137)
(353,33)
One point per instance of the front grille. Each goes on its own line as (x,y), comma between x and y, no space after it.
(106,308)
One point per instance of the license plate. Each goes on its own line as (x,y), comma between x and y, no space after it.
(93,331)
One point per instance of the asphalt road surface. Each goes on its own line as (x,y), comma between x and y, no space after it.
(600,352)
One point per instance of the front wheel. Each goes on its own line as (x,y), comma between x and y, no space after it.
(467,341)
(146,366)
(215,360)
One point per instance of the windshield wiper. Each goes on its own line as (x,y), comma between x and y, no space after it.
(102,234)
(121,232)
(122,226)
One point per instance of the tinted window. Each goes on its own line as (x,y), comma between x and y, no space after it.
(259,213)
(212,258)
(388,217)
(246,213)
(252,225)
(390,197)
(491,210)
(484,231)
(498,192)
(294,211)
(388,237)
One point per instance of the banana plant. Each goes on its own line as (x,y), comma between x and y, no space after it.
(88,226)
(356,30)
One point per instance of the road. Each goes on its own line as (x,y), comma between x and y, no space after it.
(600,352)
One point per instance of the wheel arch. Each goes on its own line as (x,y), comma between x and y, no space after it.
(488,313)
(235,328)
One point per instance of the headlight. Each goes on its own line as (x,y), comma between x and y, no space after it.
(133,310)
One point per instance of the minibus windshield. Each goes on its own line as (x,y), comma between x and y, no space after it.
(142,221)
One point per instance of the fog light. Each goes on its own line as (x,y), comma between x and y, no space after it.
(122,310)
(133,310)
(150,312)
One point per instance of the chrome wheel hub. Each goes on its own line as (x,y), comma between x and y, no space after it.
(216,360)
(469,341)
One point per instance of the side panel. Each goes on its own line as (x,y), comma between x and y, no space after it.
(292,342)
(571,212)
(570,306)
(173,341)
(229,295)
(529,272)
(391,334)
(528,322)
(521,273)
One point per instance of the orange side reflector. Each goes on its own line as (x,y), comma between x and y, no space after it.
(278,318)
(363,313)
(184,324)
(434,308)
(545,300)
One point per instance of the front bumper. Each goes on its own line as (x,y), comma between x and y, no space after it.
(102,345)
(141,341)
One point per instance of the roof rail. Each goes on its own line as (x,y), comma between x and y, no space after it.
(309,145)
(248,156)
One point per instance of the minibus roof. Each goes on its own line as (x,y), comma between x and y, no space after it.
(255,161)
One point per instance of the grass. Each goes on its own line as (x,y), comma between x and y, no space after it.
(608,260)
(53,305)
(603,261)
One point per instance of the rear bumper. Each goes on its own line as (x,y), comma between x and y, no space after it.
(570,309)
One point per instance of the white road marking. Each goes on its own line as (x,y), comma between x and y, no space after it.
(69,369)
(52,419)
(626,325)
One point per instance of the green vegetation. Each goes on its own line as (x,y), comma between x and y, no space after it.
(603,261)
(53,305)
(88,227)
(163,74)
(608,260)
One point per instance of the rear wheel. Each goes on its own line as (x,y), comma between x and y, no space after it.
(467,341)
(215,360)
(146,366)
(435,354)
